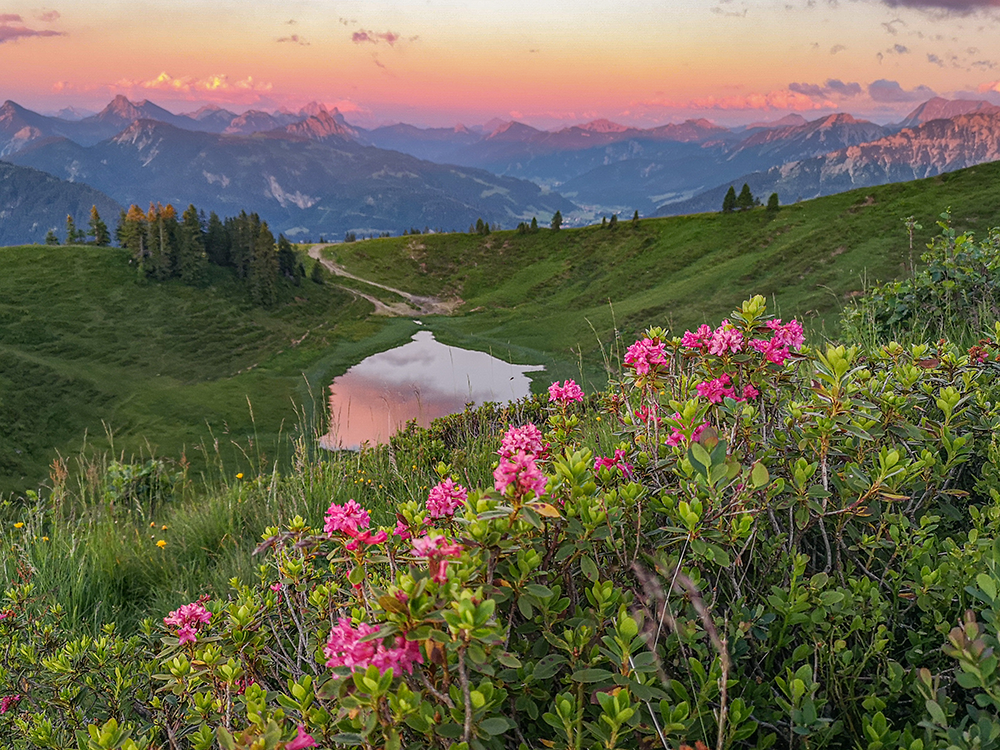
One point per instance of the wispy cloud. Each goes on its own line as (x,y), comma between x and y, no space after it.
(890,92)
(778,100)
(219,83)
(832,87)
(837,48)
(48,16)
(293,39)
(12,28)
(374,37)
(956,7)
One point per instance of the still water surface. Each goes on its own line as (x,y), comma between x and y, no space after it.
(421,380)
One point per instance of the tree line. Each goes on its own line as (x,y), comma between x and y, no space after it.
(164,246)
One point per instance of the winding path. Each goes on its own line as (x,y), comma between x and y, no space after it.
(415,304)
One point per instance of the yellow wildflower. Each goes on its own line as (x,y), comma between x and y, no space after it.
(19,524)
(162,543)
(239,475)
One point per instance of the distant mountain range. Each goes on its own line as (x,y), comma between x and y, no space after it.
(312,172)
(33,202)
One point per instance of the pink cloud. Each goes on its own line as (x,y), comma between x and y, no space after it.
(49,16)
(13,33)
(992,86)
(373,37)
(782,99)
(10,18)
(294,39)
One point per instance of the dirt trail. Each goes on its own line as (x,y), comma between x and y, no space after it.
(415,304)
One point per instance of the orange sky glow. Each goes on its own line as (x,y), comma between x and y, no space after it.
(549,64)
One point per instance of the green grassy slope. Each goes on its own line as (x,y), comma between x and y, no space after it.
(83,343)
(546,290)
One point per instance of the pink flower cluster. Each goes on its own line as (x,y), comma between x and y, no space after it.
(352,520)
(444,499)
(716,390)
(723,340)
(7,701)
(301,741)
(344,648)
(785,337)
(527,439)
(438,552)
(519,472)
(615,462)
(187,620)
(566,393)
(646,413)
(645,356)
(678,434)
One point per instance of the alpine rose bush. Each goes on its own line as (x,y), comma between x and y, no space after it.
(790,548)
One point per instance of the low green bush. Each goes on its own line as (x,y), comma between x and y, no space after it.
(786,547)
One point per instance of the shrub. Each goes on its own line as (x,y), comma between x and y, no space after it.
(771,554)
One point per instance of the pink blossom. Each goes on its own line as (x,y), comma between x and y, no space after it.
(678,434)
(348,518)
(445,498)
(697,340)
(645,413)
(772,350)
(6,613)
(527,439)
(438,552)
(302,740)
(522,473)
(186,634)
(7,701)
(716,390)
(645,356)
(567,393)
(275,586)
(725,339)
(790,335)
(616,462)
(344,648)
(749,392)
(187,620)
(401,530)
(366,538)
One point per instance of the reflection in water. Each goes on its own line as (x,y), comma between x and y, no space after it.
(421,380)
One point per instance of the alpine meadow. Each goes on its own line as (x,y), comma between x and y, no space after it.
(455,377)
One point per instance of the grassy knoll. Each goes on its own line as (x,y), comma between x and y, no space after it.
(86,349)
(545,291)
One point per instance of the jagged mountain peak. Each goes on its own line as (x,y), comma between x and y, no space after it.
(603,125)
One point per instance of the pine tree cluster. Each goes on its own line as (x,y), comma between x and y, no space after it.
(164,247)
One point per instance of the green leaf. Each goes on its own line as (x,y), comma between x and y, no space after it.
(494,726)
(548,666)
(357,575)
(592,675)
(589,568)
(225,739)
(987,584)
(536,589)
(759,475)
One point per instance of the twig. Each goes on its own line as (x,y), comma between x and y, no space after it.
(463,678)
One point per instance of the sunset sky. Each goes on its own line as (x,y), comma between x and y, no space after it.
(544,62)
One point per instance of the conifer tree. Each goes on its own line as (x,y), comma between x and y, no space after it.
(264,269)
(745,200)
(70,230)
(604,222)
(772,202)
(287,260)
(191,261)
(217,241)
(51,238)
(635,218)
(317,275)
(557,220)
(613,224)
(99,233)
(729,202)
(534,224)
(134,236)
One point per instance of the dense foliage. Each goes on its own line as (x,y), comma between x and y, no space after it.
(164,247)
(784,547)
